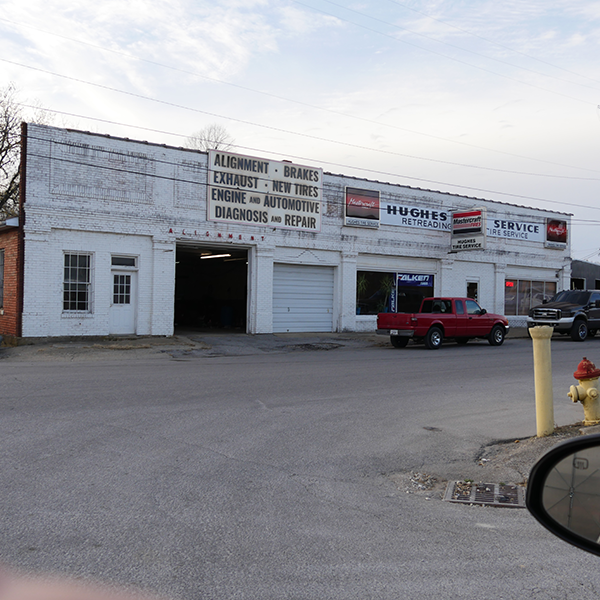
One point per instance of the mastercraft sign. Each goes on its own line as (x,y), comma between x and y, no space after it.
(362,208)
(256,191)
(556,234)
(468,230)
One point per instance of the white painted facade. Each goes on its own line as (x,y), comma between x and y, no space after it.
(107,197)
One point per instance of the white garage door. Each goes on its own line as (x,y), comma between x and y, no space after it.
(302,298)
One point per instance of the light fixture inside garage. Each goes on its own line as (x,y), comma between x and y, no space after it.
(215,256)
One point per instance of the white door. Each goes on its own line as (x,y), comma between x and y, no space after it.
(122,308)
(302,298)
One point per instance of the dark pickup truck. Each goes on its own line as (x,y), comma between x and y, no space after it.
(572,312)
(458,318)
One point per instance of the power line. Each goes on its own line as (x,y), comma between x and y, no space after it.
(458,60)
(331,111)
(428,37)
(494,169)
(269,127)
(498,44)
(395,175)
(49,157)
(149,159)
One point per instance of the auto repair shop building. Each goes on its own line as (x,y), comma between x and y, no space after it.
(129,237)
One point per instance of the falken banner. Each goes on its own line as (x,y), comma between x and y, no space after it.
(362,208)
(255,191)
(414,280)
(468,230)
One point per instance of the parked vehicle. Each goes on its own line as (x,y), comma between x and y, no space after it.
(563,492)
(571,312)
(460,319)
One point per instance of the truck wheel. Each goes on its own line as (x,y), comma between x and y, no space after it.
(398,341)
(496,337)
(434,338)
(579,331)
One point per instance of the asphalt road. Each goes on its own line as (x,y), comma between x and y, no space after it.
(270,475)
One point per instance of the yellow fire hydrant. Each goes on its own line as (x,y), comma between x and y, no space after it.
(587,391)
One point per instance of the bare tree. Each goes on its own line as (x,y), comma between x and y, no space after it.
(11,117)
(10,138)
(211,137)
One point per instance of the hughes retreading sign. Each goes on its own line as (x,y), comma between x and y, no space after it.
(256,191)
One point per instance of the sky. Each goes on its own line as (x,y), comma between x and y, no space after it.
(490,99)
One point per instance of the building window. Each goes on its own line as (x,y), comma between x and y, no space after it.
(77,283)
(373,292)
(521,295)
(473,290)
(123,261)
(378,292)
(121,288)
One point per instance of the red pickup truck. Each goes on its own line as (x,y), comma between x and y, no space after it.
(439,318)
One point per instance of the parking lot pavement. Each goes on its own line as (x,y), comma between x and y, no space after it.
(182,345)
(189,344)
(295,472)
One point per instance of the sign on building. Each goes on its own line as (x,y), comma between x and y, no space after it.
(468,230)
(516,230)
(404,215)
(556,234)
(362,208)
(415,280)
(255,191)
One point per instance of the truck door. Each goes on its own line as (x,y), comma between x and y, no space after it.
(461,319)
(594,313)
(478,325)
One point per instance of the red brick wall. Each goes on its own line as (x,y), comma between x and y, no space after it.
(10,320)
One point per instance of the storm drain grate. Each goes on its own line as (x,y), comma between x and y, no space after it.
(489,494)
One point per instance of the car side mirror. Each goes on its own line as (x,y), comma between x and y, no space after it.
(563,492)
(483,311)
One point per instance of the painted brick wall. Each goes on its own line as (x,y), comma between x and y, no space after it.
(106,195)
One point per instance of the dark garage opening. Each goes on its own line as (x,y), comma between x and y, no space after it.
(211,286)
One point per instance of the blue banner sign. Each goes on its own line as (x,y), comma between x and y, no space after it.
(412,279)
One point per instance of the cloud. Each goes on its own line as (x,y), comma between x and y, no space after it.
(301,22)
(211,38)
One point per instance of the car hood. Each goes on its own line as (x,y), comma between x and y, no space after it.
(560,305)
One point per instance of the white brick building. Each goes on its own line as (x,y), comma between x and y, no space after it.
(124,236)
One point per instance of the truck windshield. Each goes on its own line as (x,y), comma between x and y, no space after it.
(572,297)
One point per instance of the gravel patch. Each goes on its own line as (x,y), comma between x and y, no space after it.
(501,462)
